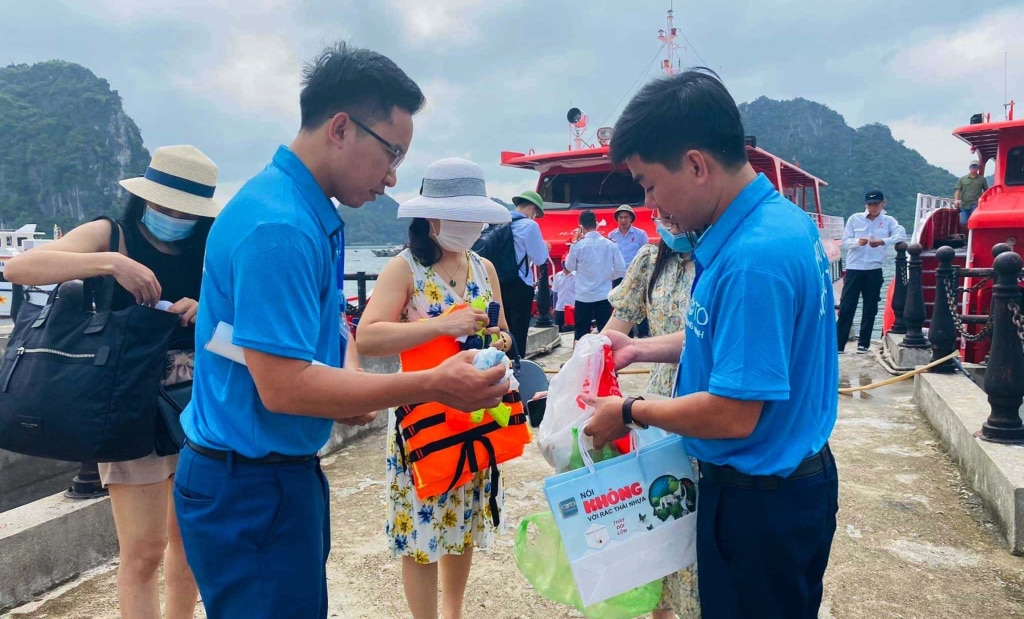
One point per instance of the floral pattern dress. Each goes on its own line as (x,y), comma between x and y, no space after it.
(429,529)
(665,312)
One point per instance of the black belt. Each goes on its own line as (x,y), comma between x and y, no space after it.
(271,458)
(728,476)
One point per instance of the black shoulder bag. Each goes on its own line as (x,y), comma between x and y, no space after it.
(79,381)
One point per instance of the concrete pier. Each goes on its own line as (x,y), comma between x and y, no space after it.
(913,539)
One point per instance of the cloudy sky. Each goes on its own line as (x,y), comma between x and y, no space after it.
(500,74)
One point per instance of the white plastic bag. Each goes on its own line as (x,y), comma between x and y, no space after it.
(581,374)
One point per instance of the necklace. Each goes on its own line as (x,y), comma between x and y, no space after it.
(451,280)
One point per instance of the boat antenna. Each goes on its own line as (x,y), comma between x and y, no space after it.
(1008,105)
(669,65)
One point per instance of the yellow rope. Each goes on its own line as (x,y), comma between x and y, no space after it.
(896,379)
(844,390)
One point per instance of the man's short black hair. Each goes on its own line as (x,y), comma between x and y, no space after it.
(588,220)
(670,116)
(358,81)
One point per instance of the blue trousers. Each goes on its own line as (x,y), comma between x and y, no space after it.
(761,554)
(256,536)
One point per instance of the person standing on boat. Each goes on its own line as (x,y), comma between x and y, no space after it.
(163,236)
(530,249)
(867,239)
(251,499)
(597,261)
(628,238)
(968,189)
(756,390)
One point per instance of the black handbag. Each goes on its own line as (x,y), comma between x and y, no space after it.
(79,381)
(171,401)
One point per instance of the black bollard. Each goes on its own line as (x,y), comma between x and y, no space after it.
(943,332)
(899,293)
(87,484)
(361,290)
(1004,377)
(544,318)
(914,310)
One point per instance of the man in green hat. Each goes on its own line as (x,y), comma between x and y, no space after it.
(517,295)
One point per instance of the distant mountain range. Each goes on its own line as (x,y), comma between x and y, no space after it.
(851,161)
(65,141)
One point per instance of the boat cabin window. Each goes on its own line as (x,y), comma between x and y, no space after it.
(1015,166)
(590,189)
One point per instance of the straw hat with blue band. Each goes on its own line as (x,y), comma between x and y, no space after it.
(454,189)
(180,178)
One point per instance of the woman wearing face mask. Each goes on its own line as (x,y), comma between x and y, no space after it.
(160,257)
(436,272)
(657,287)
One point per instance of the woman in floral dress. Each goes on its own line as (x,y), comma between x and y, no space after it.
(657,287)
(436,272)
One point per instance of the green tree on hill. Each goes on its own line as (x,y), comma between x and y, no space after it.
(65,141)
(852,161)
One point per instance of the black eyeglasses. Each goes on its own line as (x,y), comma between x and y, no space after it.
(397,154)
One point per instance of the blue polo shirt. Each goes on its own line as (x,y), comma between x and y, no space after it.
(761,326)
(270,272)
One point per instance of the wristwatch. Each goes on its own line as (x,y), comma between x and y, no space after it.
(627,412)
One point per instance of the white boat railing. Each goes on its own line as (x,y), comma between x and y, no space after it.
(926,205)
(830,226)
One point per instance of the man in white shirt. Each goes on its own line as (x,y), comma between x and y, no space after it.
(597,261)
(565,294)
(867,240)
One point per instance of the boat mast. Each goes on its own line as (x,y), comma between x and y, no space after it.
(668,37)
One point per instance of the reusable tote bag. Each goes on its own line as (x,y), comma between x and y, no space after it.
(626,521)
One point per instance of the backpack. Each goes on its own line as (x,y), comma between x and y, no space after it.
(497,245)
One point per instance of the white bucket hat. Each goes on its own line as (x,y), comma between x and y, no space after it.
(180,178)
(454,189)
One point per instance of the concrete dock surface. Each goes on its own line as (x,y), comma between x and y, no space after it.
(912,540)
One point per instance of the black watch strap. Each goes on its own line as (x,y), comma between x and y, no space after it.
(627,412)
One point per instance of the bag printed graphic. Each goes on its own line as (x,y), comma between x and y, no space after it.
(626,521)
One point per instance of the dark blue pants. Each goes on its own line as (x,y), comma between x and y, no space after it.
(256,536)
(855,285)
(761,554)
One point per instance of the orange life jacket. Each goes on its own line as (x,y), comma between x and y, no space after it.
(442,447)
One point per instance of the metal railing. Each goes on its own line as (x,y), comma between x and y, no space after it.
(926,206)
(1003,326)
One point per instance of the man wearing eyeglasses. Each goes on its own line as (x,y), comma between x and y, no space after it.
(251,500)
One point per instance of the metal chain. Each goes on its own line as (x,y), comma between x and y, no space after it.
(903,274)
(1018,320)
(988,279)
(970,337)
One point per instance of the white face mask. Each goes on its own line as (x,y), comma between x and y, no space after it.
(457,236)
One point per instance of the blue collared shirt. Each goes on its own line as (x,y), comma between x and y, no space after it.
(629,243)
(270,272)
(761,326)
(529,243)
(883,228)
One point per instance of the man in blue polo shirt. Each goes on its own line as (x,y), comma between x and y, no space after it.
(756,391)
(251,500)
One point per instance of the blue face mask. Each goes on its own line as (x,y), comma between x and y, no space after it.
(166,228)
(681,242)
